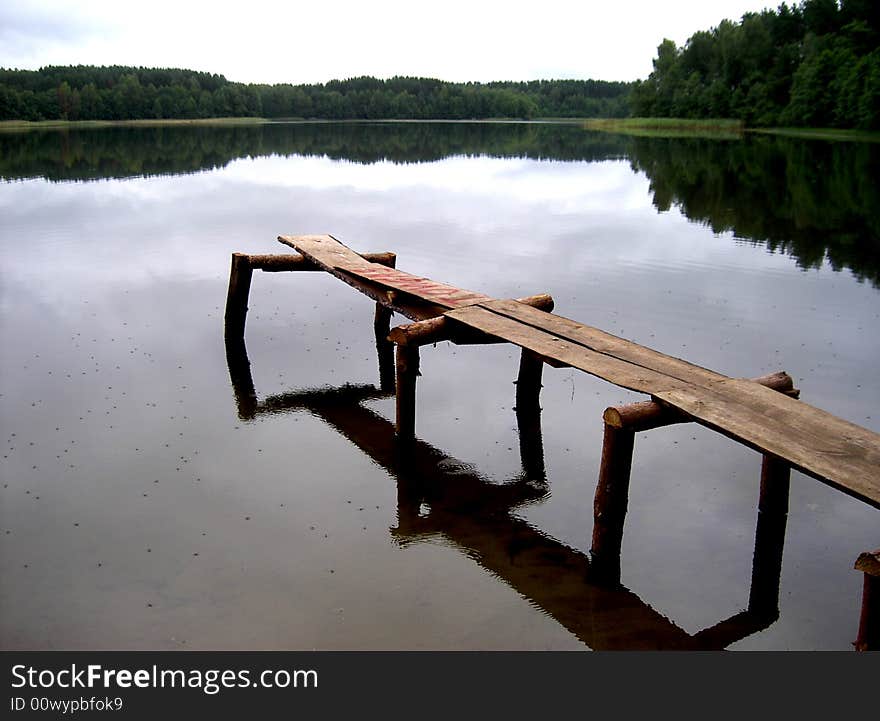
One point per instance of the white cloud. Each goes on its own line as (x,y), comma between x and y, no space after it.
(265,41)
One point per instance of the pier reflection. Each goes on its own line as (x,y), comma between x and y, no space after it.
(439,496)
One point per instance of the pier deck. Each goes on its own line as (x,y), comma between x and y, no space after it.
(828,448)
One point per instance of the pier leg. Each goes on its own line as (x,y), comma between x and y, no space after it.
(407,372)
(528,382)
(237,298)
(869,622)
(528,415)
(609,504)
(769,537)
(384,347)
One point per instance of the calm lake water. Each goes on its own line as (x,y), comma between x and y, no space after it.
(140,509)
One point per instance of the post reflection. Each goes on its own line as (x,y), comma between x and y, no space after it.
(439,496)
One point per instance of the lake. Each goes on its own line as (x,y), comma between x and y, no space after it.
(145,507)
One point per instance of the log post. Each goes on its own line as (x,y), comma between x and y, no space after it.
(528,382)
(609,504)
(382,328)
(384,347)
(407,363)
(869,622)
(769,537)
(237,297)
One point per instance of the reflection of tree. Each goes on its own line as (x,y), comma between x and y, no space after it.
(811,200)
(131,152)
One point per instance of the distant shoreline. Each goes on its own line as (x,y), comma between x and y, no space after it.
(720,128)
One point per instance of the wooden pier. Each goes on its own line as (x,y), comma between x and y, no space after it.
(763,414)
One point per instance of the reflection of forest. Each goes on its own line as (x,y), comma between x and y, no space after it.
(810,199)
(128,152)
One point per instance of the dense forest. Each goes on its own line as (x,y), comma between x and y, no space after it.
(127,93)
(816,63)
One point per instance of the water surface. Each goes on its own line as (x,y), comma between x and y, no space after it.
(142,509)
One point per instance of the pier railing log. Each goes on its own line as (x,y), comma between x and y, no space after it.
(241,271)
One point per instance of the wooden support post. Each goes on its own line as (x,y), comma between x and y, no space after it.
(609,504)
(528,382)
(384,347)
(528,415)
(769,538)
(407,363)
(382,328)
(237,297)
(869,622)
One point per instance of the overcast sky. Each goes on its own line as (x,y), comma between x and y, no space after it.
(273,41)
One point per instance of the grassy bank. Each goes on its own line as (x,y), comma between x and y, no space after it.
(718,128)
(669,127)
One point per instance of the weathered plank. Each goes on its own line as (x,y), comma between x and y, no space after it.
(818,443)
(603,342)
(341,261)
(610,368)
(423,288)
(814,441)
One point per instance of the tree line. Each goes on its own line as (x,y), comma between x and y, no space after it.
(816,63)
(129,93)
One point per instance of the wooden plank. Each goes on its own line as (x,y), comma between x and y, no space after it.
(339,260)
(324,250)
(813,441)
(424,288)
(816,442)
(603,342)
(617,371)
(336,258)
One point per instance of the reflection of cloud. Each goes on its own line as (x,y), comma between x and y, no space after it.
(566,185)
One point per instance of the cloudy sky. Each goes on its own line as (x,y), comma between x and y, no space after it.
(273,41)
